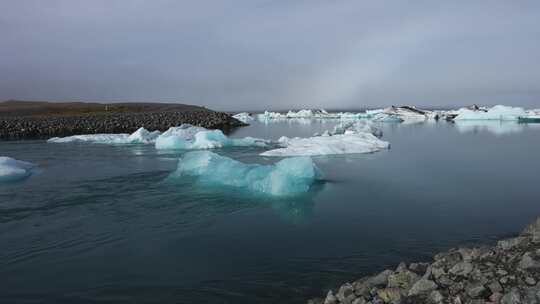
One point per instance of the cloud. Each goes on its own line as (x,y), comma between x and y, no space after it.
(272,54)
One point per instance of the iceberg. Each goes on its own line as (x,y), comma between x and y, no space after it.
(13,170)
(141,136)
(361,126)
(499,112)
(188,139)
(243,117)
(349,138)
(311,114)
(286,177)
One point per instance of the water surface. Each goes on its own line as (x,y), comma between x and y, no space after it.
(103,224)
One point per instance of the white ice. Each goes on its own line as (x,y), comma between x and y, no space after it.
(286,177)
(499,112)
(344,139)
(141,136)
(13,170)
(205,139)
(360,126)
(244,117)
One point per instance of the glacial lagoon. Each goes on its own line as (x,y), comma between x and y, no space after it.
(98,223)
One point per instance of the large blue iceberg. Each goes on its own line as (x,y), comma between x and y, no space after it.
(13,170)
(286,177)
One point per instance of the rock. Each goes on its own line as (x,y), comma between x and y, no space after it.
(403,280)
(495,287)
(359,301)
(527,262)
(511,243)
(389,295)
(512,297)
(419,268)
(437,272)
(530,281)
(533,230)
(422,286)
(381,279)
(495,297)
(345,293)
(330,298)
(435,297)
(401,267)
(461,269)
(476,290)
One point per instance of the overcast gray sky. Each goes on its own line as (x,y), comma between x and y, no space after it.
(249,54)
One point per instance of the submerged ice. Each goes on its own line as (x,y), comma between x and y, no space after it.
(286,177)
(12,169)
(350,138)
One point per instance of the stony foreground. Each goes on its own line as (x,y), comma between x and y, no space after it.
(508,273)
(38,122)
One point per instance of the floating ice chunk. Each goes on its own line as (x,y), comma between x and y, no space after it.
(13,170)
(360,126)
(348,143)
(286,177)
(243,117)
(206,139)
(384,117)
(141,136)
(498,112)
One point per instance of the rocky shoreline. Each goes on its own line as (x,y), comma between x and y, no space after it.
(47,126)
(508,273)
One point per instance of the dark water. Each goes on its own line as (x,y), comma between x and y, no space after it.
(101,224)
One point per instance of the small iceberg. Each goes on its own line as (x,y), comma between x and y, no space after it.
(287,177)
(344,139)
(188,139)
(499,112)
(402,114)
(141,136)
(243,117)
(14,170)
(361,126)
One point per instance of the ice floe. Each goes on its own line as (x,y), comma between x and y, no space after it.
(286,177)
(244,117)
(499,112)
(13,170)
(344,139)
(141,136)
(205,139)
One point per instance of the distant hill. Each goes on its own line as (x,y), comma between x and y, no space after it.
(45,108)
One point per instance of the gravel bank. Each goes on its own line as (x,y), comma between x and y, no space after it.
(508,273)
(43,127)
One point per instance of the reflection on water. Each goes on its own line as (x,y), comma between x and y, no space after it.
(492,126)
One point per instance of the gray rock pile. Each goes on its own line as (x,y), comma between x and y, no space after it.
(508,273)
(43,127)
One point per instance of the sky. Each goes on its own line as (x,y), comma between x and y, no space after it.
(272,54)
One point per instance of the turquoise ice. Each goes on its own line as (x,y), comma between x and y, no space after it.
(287,177)
(13,170)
